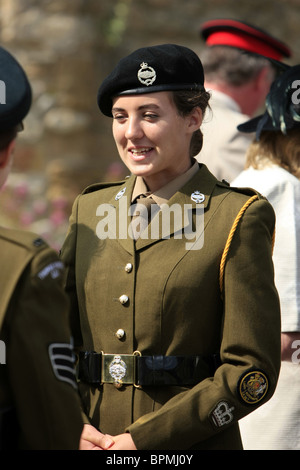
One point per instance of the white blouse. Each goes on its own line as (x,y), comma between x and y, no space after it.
(282,189)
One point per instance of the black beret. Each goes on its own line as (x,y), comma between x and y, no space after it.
(282,106)
(15,92)
(165,67)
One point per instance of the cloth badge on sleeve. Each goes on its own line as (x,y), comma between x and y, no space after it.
(222,414)
(54,270)
(62,359)
(253,387)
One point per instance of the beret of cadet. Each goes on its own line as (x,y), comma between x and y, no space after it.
(244,36)
(151,69)
(282,106)
(15,92)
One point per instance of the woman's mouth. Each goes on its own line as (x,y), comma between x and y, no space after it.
(140,153)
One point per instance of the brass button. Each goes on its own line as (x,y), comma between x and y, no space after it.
(128,267)
(120,333)
(123,299)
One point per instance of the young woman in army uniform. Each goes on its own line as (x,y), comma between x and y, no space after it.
(177,325)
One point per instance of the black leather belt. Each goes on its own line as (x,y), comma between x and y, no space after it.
(9,428)
(135,369)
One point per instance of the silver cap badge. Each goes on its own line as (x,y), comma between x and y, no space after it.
(146,74)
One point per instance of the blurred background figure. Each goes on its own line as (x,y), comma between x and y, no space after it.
(39,404)
(240,62)
(273,168)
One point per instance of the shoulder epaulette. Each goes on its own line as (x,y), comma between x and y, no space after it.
(242,190)
(23,238)
(96,186)
(18,249)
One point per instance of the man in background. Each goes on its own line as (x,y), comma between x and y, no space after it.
(240,63)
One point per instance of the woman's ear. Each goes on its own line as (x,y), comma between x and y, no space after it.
(195,119)
(6,154)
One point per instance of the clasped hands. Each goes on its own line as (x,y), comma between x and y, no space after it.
(92,439)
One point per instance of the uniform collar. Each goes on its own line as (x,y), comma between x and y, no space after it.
(162,195)
(202,182)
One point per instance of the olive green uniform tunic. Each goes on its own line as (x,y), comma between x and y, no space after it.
(173,305)
(39,404)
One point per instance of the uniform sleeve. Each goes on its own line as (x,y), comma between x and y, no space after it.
(40,358)
(250,347)
(68,256)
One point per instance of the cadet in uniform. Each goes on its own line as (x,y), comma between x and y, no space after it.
(178,324)
(39,404)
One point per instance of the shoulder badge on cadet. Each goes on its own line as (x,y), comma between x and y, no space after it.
(54,270)
(62,359)
(253,386)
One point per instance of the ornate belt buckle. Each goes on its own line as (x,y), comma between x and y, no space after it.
(117,369)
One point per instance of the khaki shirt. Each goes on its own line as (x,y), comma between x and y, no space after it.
(176,306)
(162,195)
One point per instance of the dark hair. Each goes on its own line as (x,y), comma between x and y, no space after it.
(185,102)
(7,136)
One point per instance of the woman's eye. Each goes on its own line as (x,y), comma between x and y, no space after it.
(150,116)
(119,117)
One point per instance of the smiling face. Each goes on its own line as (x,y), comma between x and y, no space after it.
(153,140)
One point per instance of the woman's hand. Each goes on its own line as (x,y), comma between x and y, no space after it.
(92,439)
(122,442)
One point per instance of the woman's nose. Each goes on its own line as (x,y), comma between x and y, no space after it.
(133,128)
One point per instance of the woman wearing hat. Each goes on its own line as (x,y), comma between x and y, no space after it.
(273,168)
(177,323)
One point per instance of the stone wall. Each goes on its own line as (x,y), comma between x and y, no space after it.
(67,47)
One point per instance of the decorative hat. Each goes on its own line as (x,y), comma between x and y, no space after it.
(244,36)
(151,69)
(15,92)
(282,103)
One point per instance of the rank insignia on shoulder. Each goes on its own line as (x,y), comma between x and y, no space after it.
(253,387)
(62,360)
(54,270)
